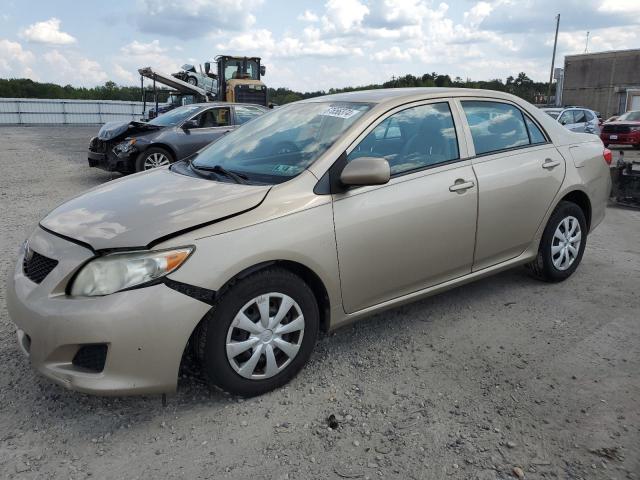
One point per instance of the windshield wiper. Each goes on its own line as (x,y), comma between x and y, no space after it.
(219,169)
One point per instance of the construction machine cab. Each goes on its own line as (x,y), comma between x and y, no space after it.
(239,79)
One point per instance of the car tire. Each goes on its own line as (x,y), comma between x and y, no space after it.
(192,81)
(222,336)
(606,145)
(559,254)
(153,157)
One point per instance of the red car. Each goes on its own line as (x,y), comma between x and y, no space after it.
(625,130)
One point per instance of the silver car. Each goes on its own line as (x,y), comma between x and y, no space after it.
(576,119)
(303,220)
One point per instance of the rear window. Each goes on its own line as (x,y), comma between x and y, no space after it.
(495,126)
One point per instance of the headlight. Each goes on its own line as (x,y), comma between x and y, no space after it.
(119,271)
(125,146)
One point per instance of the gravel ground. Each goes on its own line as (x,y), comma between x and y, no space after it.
(497,379)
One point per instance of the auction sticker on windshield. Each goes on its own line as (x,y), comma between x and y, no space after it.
(339,112)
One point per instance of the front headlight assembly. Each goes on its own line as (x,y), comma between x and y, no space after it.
(125,147)
(120,271)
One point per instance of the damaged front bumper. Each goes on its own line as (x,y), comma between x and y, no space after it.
(104,155)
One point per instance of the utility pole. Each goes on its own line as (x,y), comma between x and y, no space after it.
(553,59)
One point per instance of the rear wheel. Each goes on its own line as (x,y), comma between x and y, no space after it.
(153,157)
(562,245)
(260,333)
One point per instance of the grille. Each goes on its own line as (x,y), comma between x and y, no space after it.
(91,357)
(97,145)
(36,267)
(251,95)
(616,129)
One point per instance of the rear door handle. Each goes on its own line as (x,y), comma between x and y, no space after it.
(549,164)
(461,186)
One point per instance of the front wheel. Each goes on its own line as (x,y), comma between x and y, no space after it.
(562,245)
(153,157)
(260,333)
(192,81)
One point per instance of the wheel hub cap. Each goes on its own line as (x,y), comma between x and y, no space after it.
(565,244)
(265,336)
(155,160)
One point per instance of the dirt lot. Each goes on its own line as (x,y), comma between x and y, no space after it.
(504,373)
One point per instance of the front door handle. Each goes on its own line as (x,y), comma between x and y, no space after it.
(549,164)
(461,185)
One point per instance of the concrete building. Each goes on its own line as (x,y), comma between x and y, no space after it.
(608,82)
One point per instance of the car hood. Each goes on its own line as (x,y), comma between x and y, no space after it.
(144,208)
(111,130)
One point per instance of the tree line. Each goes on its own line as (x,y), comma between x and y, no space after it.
(521,85)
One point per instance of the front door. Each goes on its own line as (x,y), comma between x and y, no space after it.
(419,229)
(212,124)
(519,173)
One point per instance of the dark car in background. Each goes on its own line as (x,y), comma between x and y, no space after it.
(128,147)
(624,130)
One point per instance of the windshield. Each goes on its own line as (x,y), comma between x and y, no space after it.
(233,69)
(279,145)
(630,116)
(175,116)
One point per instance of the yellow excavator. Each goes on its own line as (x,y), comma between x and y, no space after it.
(239,79)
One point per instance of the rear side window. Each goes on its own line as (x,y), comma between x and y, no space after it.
(566,118)
(535,134)
(412,139)
(580,116)
(590,116)
(244,114)
(495,126)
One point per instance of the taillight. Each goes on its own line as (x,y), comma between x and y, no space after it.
(608,156)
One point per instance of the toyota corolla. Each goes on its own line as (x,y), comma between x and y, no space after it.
(307,218)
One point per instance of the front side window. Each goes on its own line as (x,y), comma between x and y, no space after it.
(412,139)
(495,126)
(590,116)
(215,117)
(279,145)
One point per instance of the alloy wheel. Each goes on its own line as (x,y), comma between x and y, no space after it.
(155,160)
(565,244)
(265,336)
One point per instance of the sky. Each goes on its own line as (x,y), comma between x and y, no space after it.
(306,45)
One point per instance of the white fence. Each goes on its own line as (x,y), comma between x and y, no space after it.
(27,111)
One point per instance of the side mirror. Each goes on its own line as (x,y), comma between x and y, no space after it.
(189,124)
(263,70)
(366,171)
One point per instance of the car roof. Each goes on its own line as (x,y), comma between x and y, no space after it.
(401,95)
(222,104)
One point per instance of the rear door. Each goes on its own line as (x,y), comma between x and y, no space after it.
(419,229)
(519,172)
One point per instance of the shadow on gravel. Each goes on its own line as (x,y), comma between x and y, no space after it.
(82,412)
